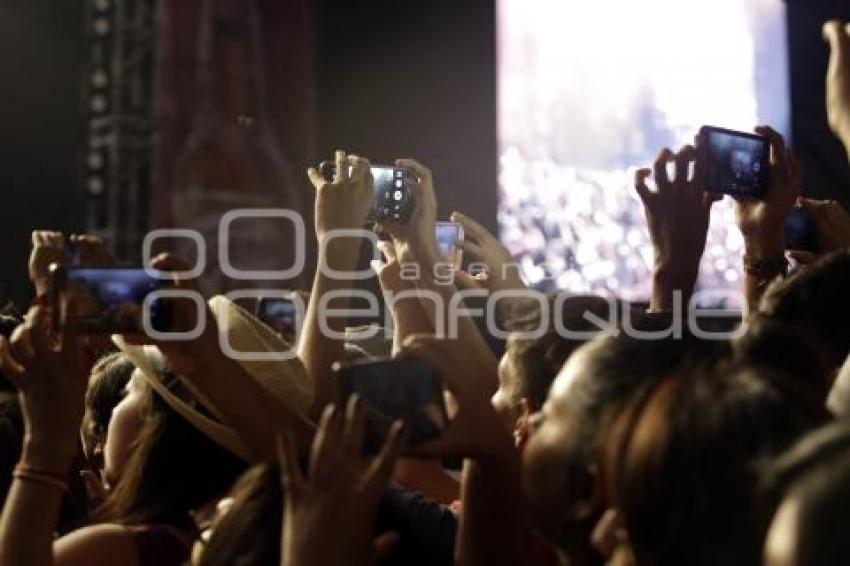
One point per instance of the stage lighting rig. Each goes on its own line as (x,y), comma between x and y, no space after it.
(118,79)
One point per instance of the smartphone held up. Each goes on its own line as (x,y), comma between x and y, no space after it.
(734,163)
(449,236)
(108,300)
(393,198)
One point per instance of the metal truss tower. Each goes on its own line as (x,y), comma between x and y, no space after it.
(118,158)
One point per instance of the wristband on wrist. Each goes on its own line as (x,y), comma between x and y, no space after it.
(765,268)
(26,472)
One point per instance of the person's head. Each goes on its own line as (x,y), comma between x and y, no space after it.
(561,461)
(772,344)
(815,300)
(107,387)
(160,467)
(248,532)
(809,489)
(529,365)
(681,464)
(167,449)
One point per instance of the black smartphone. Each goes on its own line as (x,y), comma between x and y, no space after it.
(396,389)
(801,231)
(449,236)
(110,300)
(735,163)
(279,313)
(393,197)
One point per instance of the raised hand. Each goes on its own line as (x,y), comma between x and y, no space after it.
(467,373)
(330,513)
(184,356)
(494,529)
(417,237)
(243,402)
(762,221)
(343,203)
(411,313)
(388,269)
(51,374)
(836,33)
(833,229)
(677,214)
(47,247)
(502,272)
(832,222)
(92,250)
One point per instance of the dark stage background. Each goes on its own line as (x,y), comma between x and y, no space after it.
(389,79)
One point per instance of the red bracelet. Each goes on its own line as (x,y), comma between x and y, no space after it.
(25,472)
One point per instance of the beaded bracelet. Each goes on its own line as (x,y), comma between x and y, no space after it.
(25,472)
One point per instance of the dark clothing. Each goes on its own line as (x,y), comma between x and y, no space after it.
(162,545)
(426,529)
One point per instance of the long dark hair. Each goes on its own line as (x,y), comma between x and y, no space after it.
(814,475)
(173,469)
(249,533)
(107,382)
(684,460)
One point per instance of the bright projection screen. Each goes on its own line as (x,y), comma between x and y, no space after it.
(588,92)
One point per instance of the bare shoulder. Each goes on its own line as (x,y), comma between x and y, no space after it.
(98,545)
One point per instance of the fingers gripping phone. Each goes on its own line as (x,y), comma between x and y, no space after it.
(395,389)
(109,300)
(734,163)
(449,237)
(393,198)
